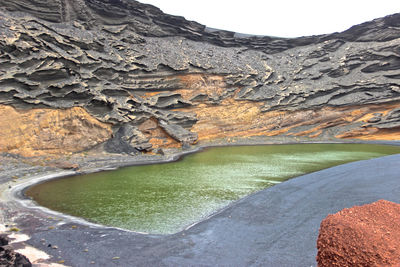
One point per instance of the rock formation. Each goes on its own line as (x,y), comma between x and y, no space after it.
(35,132)
(159,81)
(8,257)
(366,235)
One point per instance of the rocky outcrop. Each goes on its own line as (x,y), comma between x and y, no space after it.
(366,235)
(8,257)
(41,132)
(162,81)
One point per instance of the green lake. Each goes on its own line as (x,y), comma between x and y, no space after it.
(165,198)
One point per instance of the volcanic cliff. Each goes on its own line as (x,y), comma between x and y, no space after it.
(75,74)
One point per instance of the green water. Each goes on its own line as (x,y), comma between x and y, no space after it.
(164,198)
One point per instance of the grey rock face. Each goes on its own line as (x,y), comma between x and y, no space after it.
(179,133)
(127,139)
(390,121)
(123,61)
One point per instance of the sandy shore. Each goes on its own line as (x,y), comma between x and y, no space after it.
(246,231)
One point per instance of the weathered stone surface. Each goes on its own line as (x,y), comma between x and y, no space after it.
(179,133)
(65,165)
(128,139)
(127,63)
(391,120)
(39,132)
(8,257)
(367,235)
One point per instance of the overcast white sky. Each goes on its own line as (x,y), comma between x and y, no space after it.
(284,18)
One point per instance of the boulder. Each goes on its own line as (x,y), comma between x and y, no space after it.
(65,165)
(367,235)
(8,257)
(179,133)
(129,140)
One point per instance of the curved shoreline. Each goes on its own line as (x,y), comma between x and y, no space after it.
(93,228)
(17,193)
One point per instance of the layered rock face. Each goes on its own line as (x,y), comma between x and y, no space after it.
(366,235)
(162,81)
(38,132)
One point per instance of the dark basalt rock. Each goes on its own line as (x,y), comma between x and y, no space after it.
(10,258)
(168,100)
(123,61)
(128,139)
(4,240)
(179,133)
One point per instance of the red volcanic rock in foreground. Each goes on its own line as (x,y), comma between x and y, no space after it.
(367,235)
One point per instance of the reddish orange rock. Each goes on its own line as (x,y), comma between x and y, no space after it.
(367,235)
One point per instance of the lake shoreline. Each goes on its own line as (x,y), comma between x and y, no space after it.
(15,206)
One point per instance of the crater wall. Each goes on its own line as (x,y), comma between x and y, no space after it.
(147,80)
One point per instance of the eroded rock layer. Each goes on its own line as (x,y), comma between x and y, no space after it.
(162,81)
(361,236)
(39,132)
